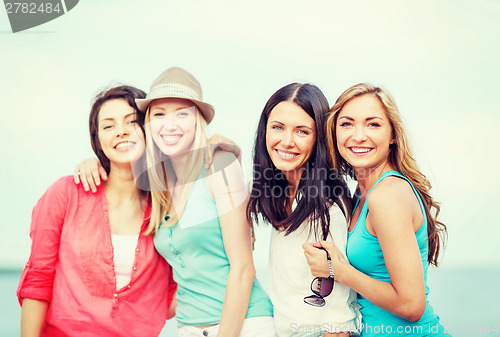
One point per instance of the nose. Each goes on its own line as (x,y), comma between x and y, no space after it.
(170,122)
(287,140)
(359,134)
(123,130)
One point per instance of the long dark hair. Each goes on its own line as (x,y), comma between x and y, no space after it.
(319,185)
(124,92)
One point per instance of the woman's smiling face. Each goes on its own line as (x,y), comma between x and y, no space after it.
(173,125)
(290,137)
(121,139)
(364,133)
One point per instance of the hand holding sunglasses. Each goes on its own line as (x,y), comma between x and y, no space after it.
(321,286)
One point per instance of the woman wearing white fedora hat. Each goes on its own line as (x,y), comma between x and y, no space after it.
(198,215)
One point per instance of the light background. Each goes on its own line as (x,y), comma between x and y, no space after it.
(440,60)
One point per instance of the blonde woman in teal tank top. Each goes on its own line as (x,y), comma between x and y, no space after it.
(199,217)
(393,236)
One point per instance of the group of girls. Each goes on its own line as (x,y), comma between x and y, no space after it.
(166,235)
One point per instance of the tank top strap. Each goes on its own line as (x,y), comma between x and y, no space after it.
(382,177)
(386,174)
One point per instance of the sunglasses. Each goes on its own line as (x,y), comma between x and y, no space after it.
(321,286)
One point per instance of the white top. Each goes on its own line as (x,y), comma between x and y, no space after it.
(290,281)
(123,256)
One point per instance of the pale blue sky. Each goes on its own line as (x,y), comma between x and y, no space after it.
(438,58)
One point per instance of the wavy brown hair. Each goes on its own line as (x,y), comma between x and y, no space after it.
(400,157)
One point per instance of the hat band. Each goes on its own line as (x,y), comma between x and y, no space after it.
(172,89)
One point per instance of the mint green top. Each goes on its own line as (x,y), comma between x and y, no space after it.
(365,254)
(195,250)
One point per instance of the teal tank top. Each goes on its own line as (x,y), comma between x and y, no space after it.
(365,254)
(195,250)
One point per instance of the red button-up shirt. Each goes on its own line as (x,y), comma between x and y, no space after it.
(71,266)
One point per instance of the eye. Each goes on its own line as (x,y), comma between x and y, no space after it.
(107,127)
(303,132)
(134,121)
(182,114)
(374,125)
(345,124)
(277,127)
(158,114)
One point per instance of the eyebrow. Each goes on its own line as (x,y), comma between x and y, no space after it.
(297,127)
(367,119)
(180,108)
(112,119)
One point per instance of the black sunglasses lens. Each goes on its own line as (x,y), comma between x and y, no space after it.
(314,300)
(322,286)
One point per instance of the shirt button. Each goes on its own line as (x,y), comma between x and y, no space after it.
(128,286)
(115,295)
(205,333)
(135,268)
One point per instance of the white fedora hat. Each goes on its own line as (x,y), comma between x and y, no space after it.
(177,83)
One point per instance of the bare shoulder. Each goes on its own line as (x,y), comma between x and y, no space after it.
(393,192)
(225,173)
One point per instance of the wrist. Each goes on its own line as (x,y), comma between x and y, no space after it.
(342,272)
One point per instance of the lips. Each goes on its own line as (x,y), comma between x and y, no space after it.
(171,139)
(286,155)
(124,146)
(360,150)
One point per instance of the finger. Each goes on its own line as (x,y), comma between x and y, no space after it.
(308,248)
(208,155)
(231,147)
(95,175)
(91,182)
(213,148)
(76,175)
(84,181)
(327,245)
(102,173)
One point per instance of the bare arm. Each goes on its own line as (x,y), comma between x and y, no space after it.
(33,315)
(393,211)
(231,197)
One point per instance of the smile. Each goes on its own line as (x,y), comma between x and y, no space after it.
(124,146)
(360,150)
(171,139)
(286,155)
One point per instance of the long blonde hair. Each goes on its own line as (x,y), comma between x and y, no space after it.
(162,176)
(400,157)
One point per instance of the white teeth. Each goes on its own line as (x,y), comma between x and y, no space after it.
(285,154)
(172,138)
(360,150)
(123,145)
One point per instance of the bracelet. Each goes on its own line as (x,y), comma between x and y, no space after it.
(330,265)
